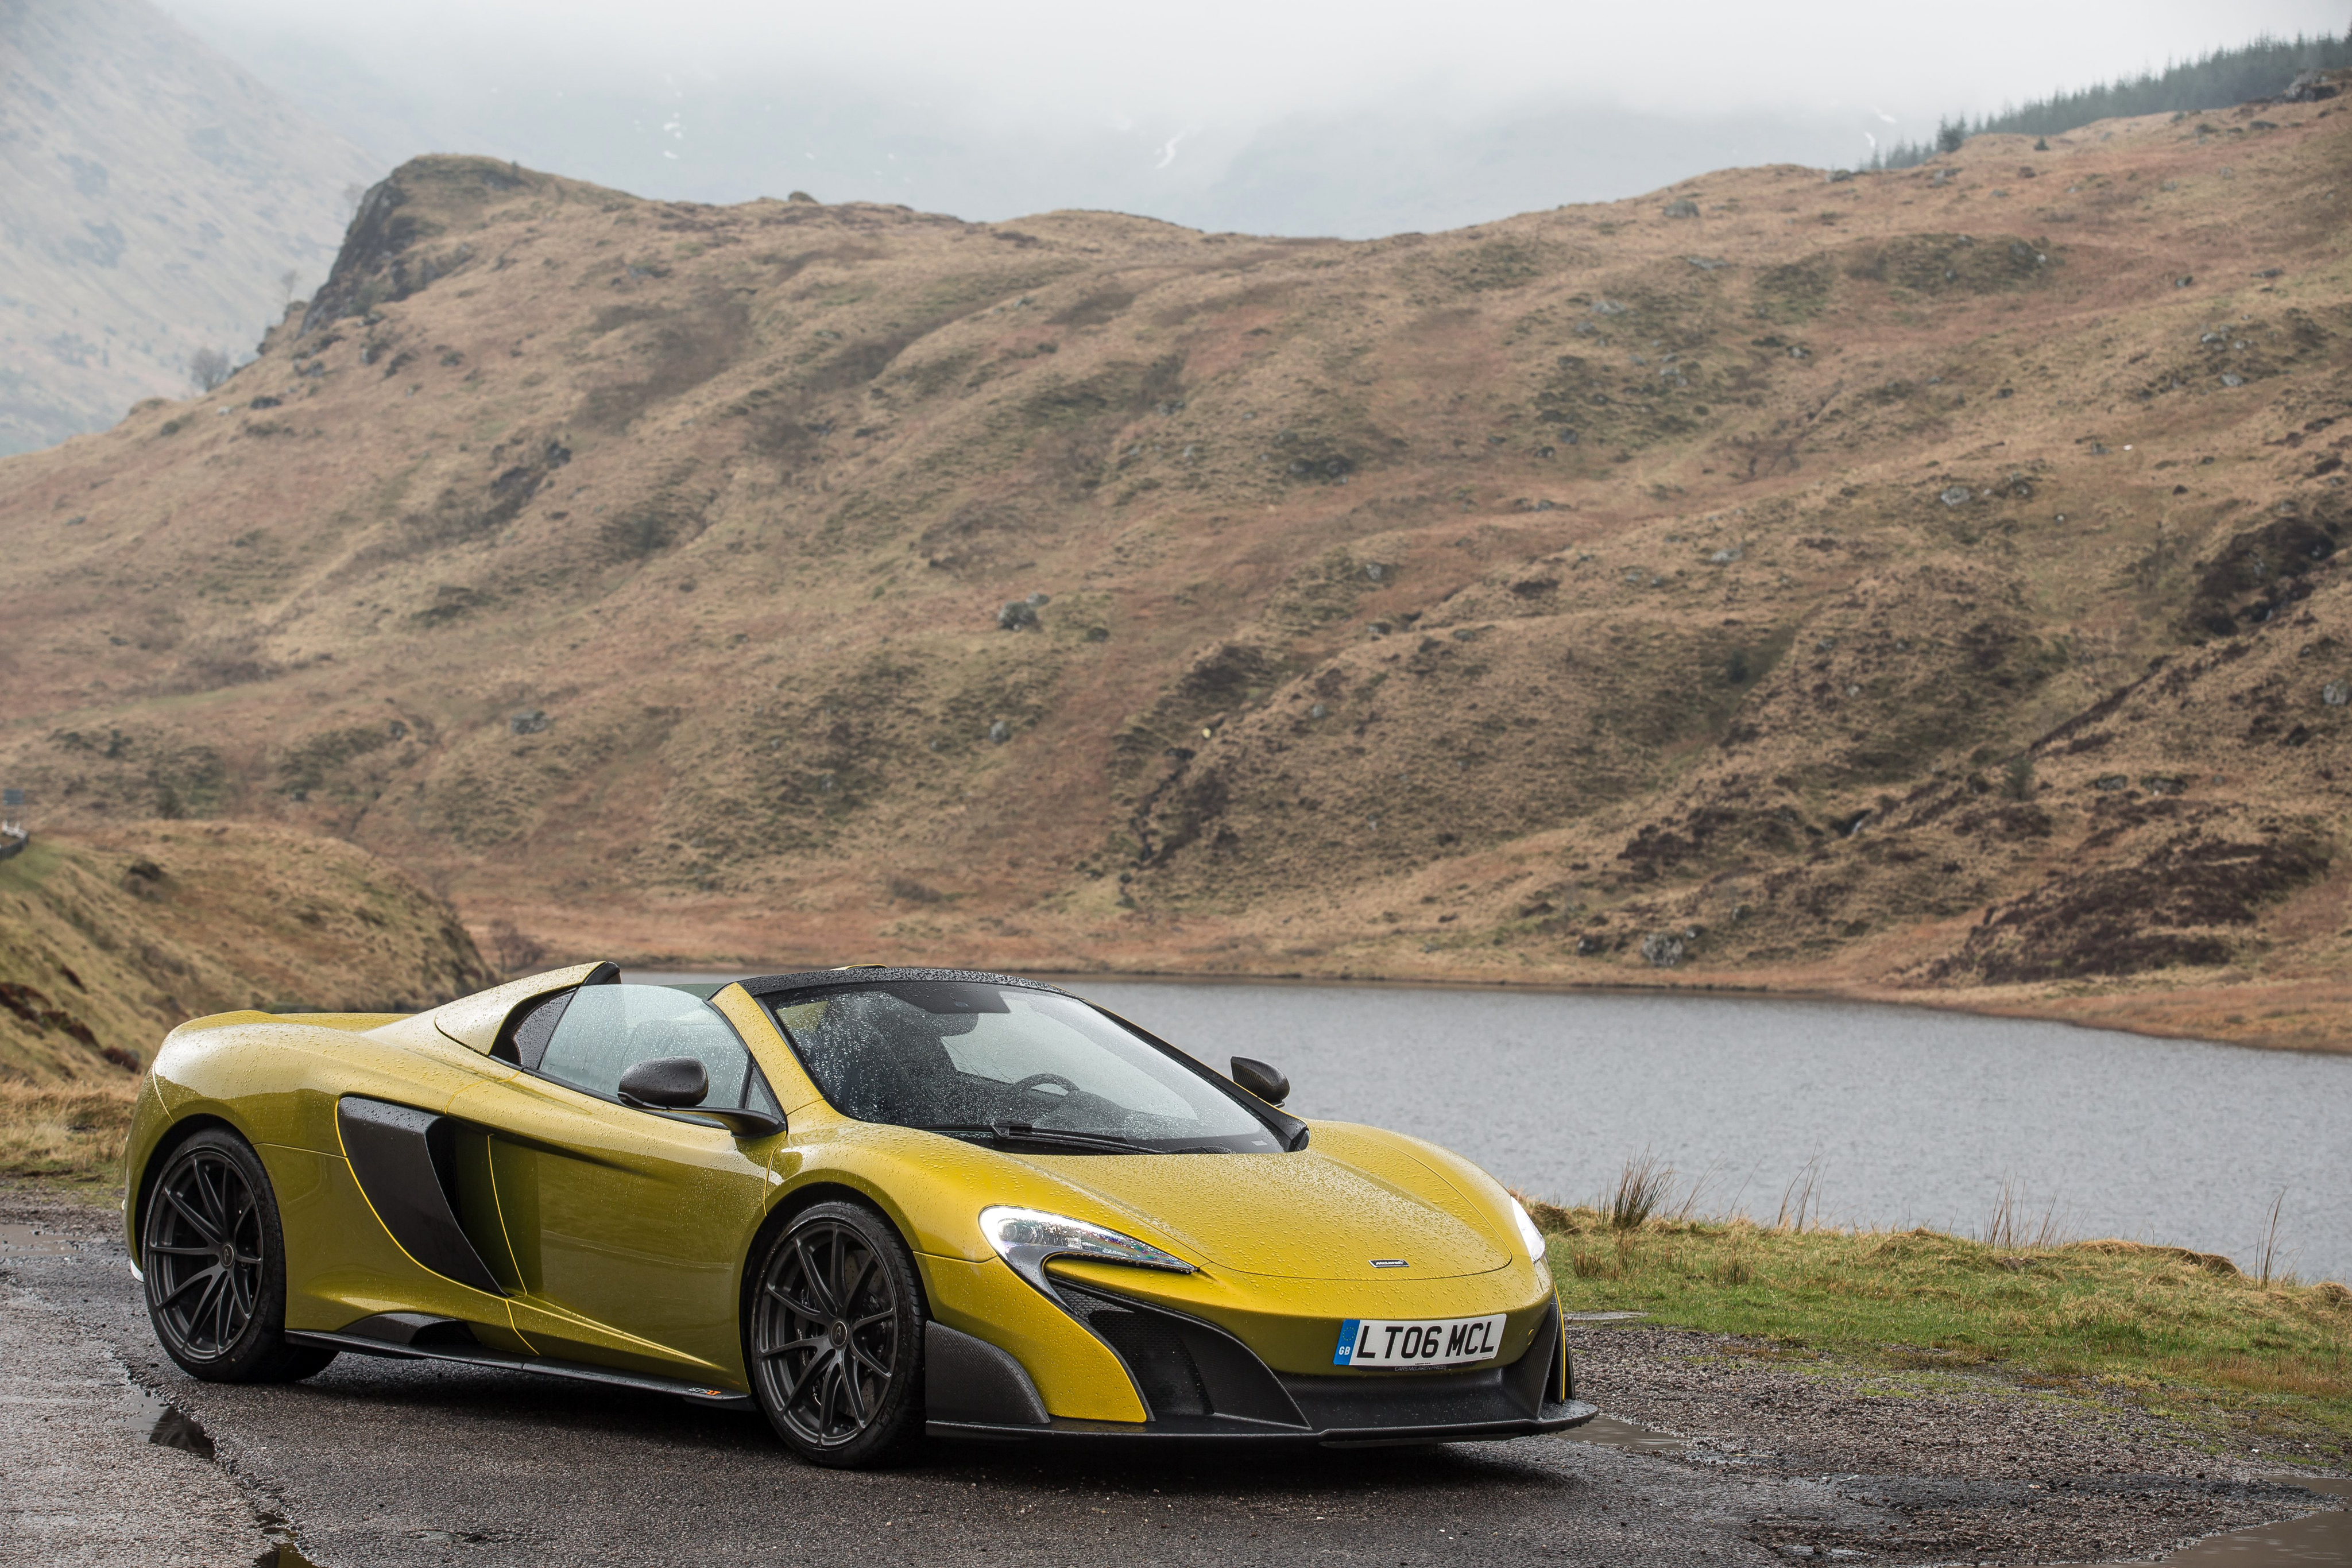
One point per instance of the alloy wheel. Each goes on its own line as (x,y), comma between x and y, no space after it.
(204,1252)
(825,1338)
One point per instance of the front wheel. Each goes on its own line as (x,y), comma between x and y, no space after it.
(215,1263)
(836,1336)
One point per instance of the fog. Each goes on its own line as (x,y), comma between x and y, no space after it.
(1278,117)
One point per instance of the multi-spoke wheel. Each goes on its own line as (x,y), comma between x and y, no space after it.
(216,1265)
(835,1336)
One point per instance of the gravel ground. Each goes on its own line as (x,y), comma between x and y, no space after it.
(1973,1467)
(403,1463)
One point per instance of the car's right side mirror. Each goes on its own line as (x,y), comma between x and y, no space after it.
(1261,1080)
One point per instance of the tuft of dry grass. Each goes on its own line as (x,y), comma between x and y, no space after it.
(70,1131)
(1642,1190)
(2011,1226)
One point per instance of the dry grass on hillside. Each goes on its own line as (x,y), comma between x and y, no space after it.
(106,945)
(1920,583)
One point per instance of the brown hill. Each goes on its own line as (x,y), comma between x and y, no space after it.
(106,945)
(1914,583)
(153,198)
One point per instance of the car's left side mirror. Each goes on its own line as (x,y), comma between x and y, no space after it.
(669,1083)
(1261,1080)
(680,1083)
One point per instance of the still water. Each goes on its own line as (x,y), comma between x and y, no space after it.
(1901,1116)
(1914,1117)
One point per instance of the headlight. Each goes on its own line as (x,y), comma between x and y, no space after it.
(1527,1231)
(1025,1238)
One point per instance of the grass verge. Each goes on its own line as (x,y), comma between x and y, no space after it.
(2185,1332)
(70,1135)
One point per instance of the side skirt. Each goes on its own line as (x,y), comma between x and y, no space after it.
(478,1355)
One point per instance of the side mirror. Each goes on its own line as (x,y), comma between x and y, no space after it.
(670,1083)
(1261,1080)
(679,1083)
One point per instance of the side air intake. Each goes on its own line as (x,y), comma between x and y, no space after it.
(406,1161)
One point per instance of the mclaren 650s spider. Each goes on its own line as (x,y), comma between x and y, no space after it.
(877,1204)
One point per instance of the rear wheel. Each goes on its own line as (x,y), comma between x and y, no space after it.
(835,1337)
(216,1261)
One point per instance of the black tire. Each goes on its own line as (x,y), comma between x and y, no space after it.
(216,1266)
(834,1338)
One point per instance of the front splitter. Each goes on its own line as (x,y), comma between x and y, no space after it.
(1552,1417)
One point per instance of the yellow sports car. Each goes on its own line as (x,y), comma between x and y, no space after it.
(877,1203)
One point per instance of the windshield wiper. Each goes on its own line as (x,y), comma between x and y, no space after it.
(1029,1133)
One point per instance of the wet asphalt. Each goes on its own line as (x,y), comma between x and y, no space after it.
(383,1462)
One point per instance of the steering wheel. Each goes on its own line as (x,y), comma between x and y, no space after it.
(1029,1084)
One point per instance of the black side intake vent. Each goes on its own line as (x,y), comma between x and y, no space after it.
(405,1161)
(1151,1347)
(1184,1366)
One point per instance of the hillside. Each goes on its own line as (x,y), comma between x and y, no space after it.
(1917,583)
(106,945)
(152,196)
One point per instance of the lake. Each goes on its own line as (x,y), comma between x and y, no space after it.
(1902,1115)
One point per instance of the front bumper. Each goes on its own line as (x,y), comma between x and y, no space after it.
(1198,1381)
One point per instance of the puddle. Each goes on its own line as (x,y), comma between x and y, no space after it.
(33,1241)
(151,1415)
(1609,1432)
(2305,1543)
(281,1552)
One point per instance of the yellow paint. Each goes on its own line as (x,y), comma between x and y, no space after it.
(624,1236)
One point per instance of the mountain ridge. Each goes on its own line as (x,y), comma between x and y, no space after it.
(1918,584)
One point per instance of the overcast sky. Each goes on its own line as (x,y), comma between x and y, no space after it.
(985,109)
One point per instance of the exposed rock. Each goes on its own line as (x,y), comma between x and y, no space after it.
(999,733)
(1662,949)
(1683,207)
(1957,495)
(1016,615)
(2335,693)
(531,723)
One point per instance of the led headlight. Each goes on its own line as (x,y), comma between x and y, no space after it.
(1025,1238)
(1527,1231)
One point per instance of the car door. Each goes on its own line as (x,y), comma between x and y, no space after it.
(627,1227)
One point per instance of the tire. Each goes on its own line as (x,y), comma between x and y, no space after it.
(216,1266)
(834,1338)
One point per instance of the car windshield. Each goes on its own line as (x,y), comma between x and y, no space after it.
(1005,1065)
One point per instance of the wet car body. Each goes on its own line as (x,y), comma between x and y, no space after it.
(876,1203)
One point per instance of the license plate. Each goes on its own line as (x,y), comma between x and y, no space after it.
(1418,1341)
